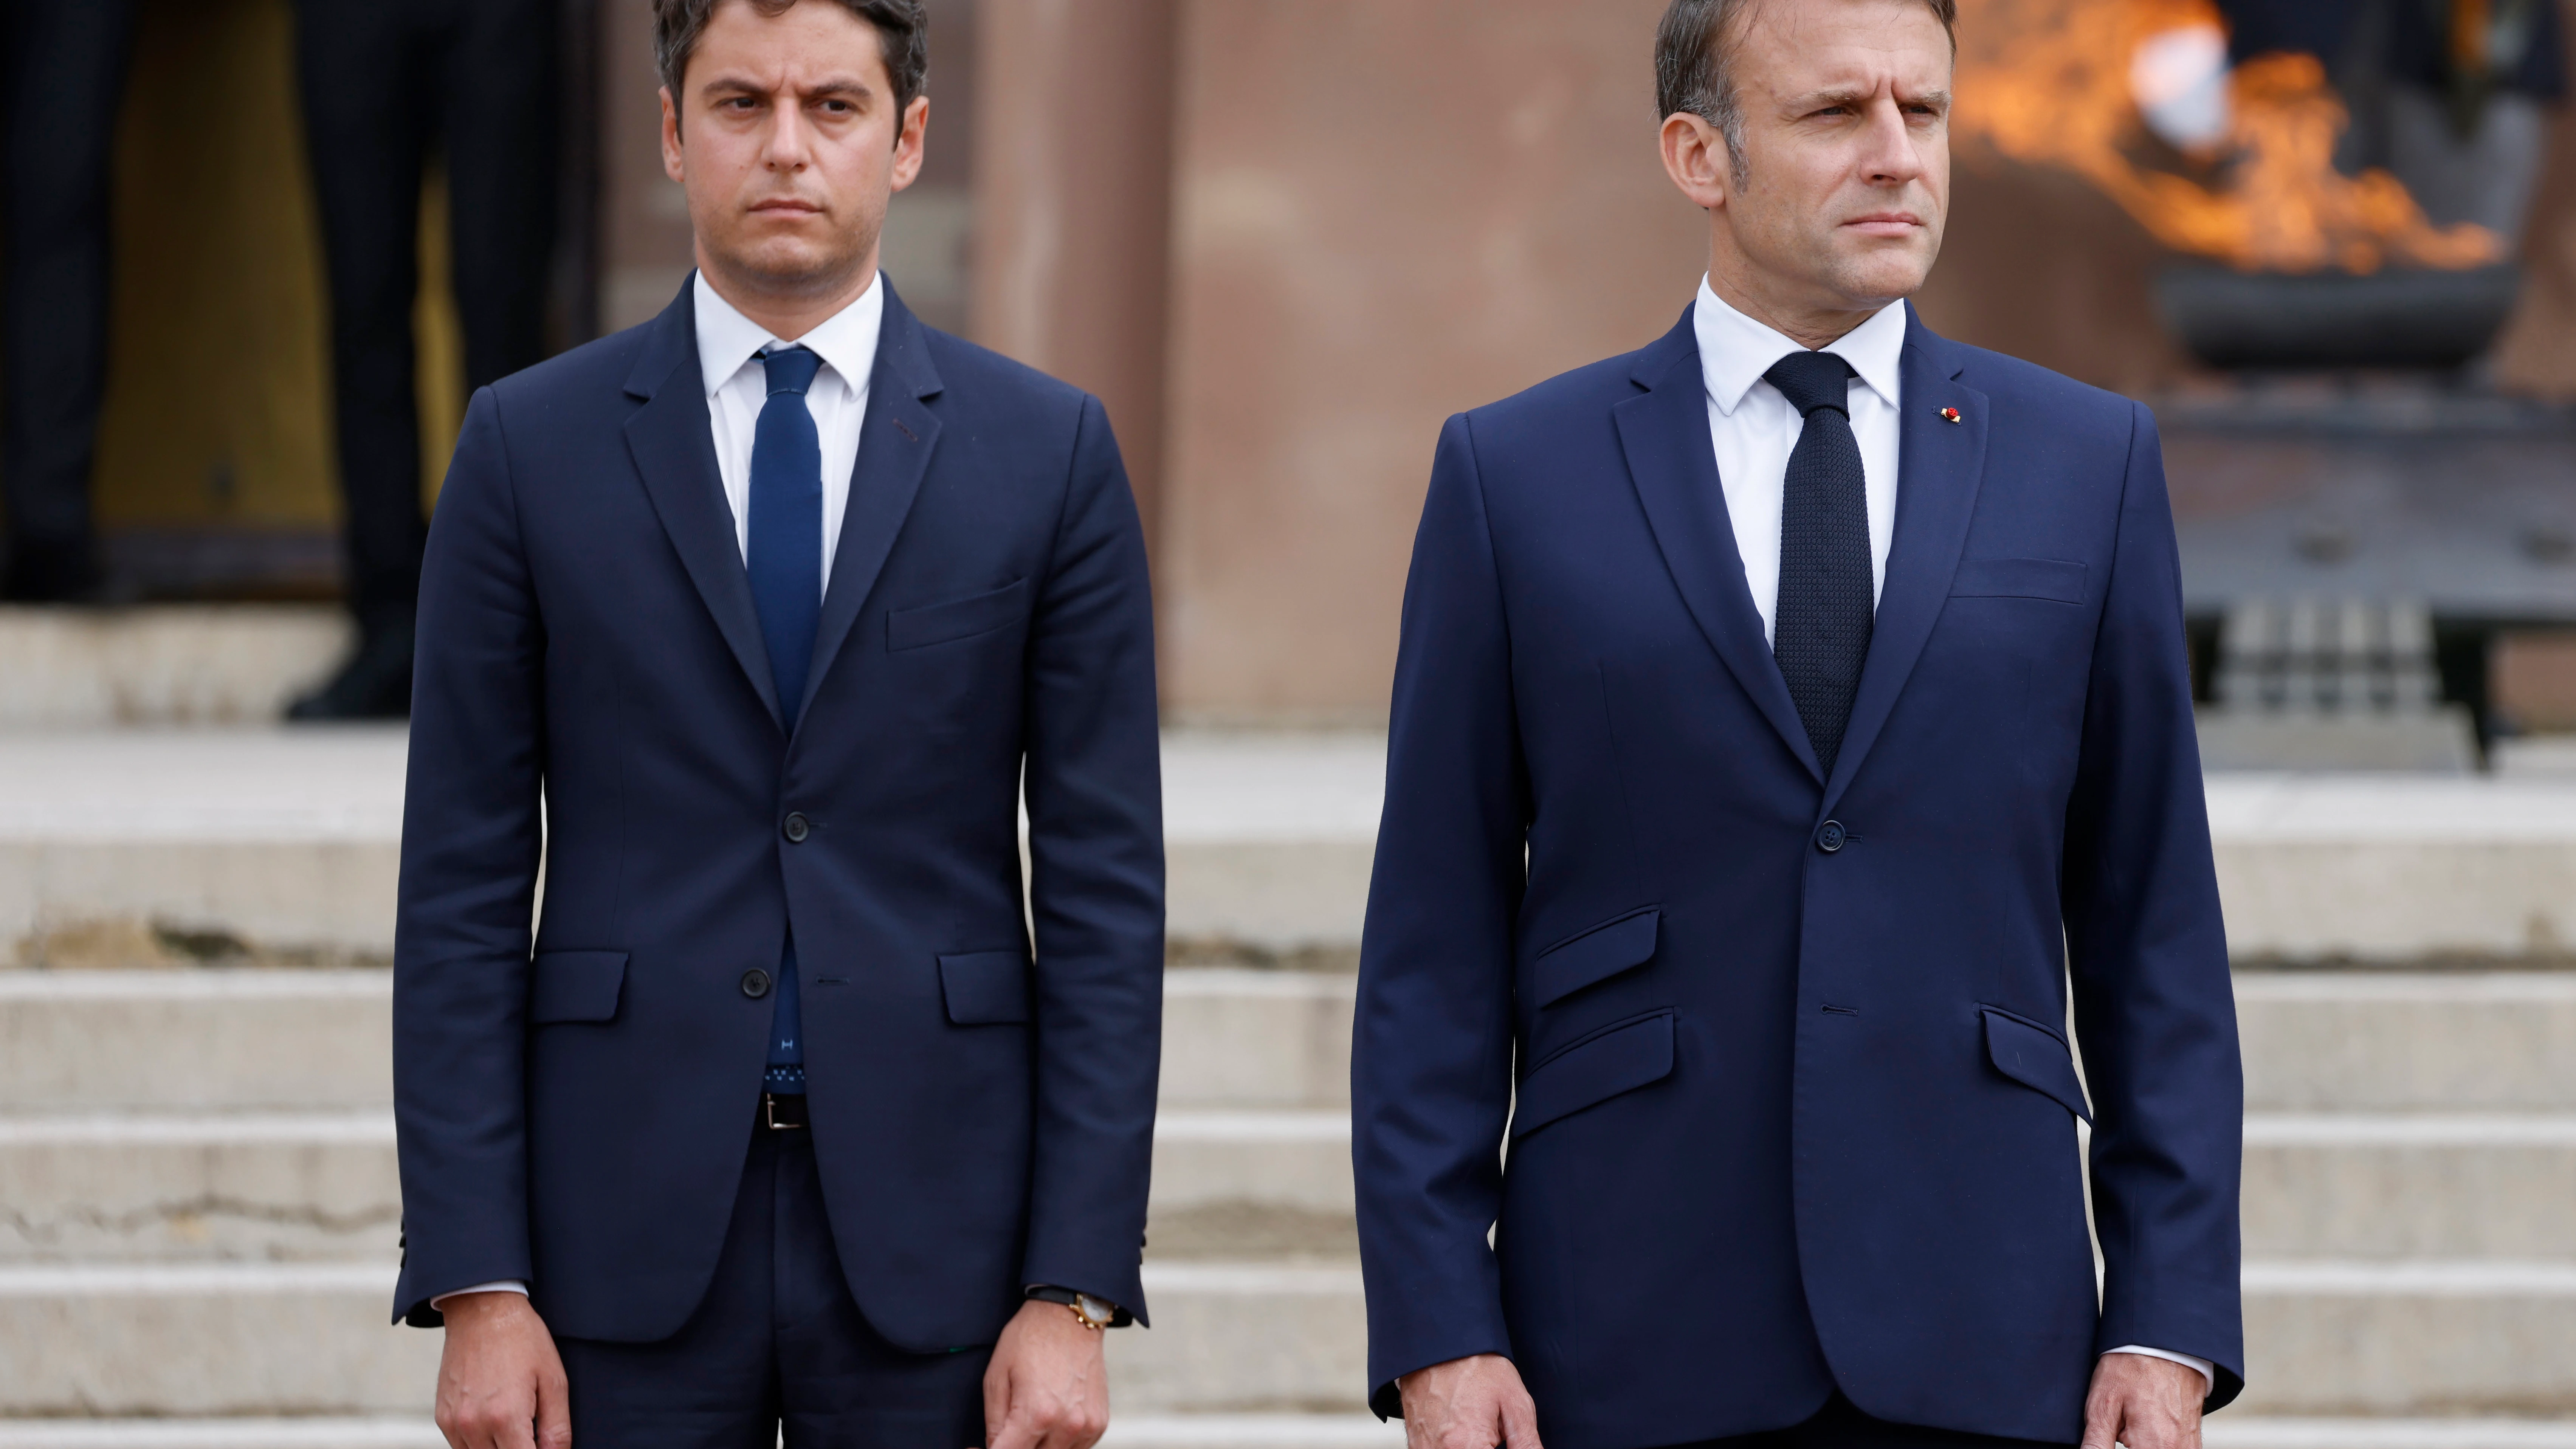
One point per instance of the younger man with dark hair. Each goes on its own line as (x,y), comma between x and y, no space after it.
(777,606)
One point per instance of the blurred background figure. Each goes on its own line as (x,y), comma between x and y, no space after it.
(387,85)
(66,72)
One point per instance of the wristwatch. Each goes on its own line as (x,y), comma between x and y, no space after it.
(1094,1312)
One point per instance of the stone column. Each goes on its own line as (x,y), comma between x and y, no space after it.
(1072,177)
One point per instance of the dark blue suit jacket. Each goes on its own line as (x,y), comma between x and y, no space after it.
(574,1110)
(1789,1117)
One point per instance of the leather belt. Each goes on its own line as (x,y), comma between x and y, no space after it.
(782,1113)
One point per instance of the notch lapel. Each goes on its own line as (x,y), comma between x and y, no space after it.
(896,438)
(1673,462)
(673,445)
(1939,467)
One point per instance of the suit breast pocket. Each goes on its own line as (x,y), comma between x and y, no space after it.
(968,618)
(2057,580)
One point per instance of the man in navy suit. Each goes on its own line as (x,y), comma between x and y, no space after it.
(1782,711)
(757,624)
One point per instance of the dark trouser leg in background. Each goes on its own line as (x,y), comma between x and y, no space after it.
(367,74)
(66,75)
(503,97)
(777,1340)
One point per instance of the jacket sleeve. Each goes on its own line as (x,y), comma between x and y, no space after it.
(470,848)
(1431,1048)
(1095,807)
(2154,1006)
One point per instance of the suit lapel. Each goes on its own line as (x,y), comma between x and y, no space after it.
(674,448)
(1939,466)
(896,438)
(1673,462)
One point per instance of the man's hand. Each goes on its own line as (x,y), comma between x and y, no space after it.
(2143,1402)
(1048,1387)
(500,1381)
(1468,1403)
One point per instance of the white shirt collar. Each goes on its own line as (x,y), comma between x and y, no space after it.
(846,340)
(1735,350)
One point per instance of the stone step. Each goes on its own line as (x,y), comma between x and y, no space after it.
(198,1038)
(163,664)
(324,1187)
(2230,1430)
(195,1340)
(286,841)
(1126,1431)
(2368,1041)
(2326,1338)
(1272,1185)
(218,1039)
(2383,1186)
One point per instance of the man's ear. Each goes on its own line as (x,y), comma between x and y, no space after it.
(1696,158)
(670,136)
(909,138)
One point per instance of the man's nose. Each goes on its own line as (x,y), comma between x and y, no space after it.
(788,139)
(1888,150)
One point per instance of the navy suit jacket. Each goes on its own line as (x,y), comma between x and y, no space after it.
(574,1110)
(1795,1105)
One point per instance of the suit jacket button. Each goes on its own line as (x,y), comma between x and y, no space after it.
(1830,836)
(755,983)
(797,827)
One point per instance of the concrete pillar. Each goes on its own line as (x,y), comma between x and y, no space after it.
(1072,177)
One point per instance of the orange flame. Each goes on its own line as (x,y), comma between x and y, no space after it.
(2047,82)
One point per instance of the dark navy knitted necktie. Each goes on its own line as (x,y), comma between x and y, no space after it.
(1820,632)
(784,551)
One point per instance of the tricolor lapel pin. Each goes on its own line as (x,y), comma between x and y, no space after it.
(1949,415)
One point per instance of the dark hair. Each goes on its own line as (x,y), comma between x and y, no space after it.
(1694,63)
(903,29)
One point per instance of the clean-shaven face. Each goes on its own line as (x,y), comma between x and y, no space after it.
(789,146)
(1846,107)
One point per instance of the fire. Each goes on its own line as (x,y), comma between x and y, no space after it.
(2049,82)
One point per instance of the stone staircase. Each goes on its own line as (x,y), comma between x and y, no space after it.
(197,1221)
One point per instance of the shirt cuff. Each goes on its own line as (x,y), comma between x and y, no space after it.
(2208,1372)
(513,1285)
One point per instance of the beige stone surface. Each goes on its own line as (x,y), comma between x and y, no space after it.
(1382,214)
(86,668)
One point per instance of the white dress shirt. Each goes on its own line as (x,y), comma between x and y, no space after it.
(1752,427)
(729,345)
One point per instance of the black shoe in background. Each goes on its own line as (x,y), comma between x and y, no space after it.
(64,575)
(374,684)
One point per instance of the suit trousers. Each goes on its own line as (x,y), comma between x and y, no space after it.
(1841,1425)
(66,79)
(777,1342)
(383,85)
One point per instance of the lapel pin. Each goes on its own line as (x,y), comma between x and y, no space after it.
(1949,415)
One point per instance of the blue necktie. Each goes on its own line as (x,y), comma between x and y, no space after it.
(785,554)
(1820,631)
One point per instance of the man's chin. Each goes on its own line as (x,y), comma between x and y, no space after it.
(793,268)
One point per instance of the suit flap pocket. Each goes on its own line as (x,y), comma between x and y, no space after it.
(985,987)
(576,986)
(2019,578)
(958,618)
(2035,1057)
(1593,1071)
(1596,955)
